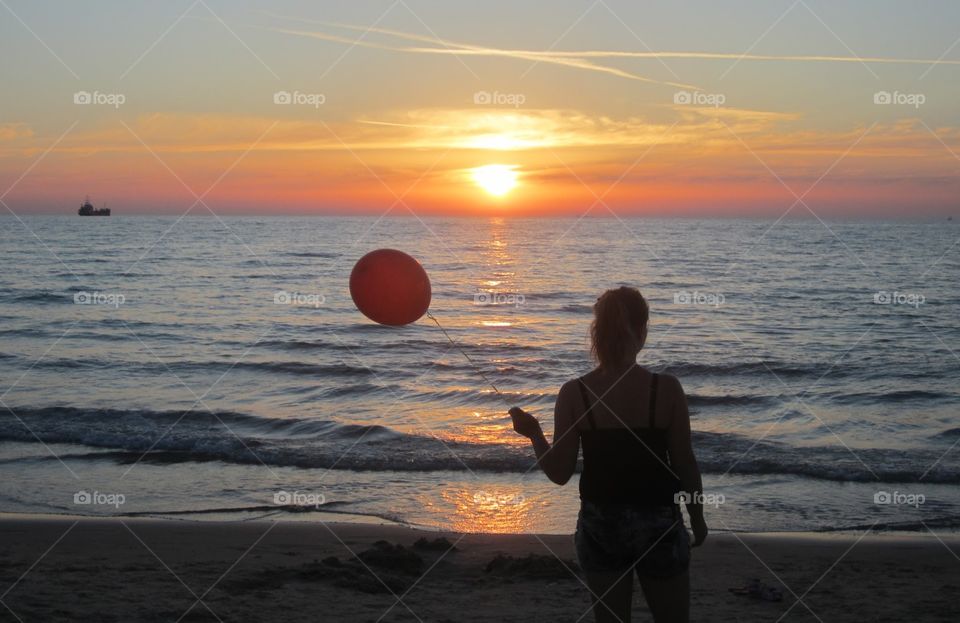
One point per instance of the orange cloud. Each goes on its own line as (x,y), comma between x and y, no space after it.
(692,156)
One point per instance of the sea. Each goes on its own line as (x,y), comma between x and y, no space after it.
(216,368)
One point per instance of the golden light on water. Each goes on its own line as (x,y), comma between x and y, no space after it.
(496,179)
(494,509)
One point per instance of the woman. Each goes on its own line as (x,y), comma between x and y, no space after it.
(637,459)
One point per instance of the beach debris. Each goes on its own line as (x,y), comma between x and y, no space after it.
(393,557)
(756,589)
(531,566)
(383,568)
(439,544)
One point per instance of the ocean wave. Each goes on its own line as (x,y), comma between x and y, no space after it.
(358,389)
(950,433)
(550,296)
(844,399)
(336,508)
(74,274)
(410,346)
(319,254)
(296,344)
(944,522)
(422,347)
(461,396)
(908,395)
(576,309)
(278,367)
(698,400)
(115,337)
(25,332)
(534,369)
(783,369)
(133,436)
(39,297)
(299,367)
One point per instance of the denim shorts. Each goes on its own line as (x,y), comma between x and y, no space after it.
(613,538)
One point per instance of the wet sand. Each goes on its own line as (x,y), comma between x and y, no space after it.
(161,570)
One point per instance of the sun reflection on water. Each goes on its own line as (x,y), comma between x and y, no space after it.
(493,509)
(490,427)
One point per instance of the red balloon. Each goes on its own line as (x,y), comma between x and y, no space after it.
(390,287)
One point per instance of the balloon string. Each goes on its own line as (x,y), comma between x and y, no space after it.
(472,362)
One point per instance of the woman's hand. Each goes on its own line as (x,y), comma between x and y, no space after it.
(700,531)
(525,424)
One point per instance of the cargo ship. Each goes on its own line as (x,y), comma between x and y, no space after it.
(87,209)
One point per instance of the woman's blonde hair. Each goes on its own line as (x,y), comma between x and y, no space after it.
(617,316)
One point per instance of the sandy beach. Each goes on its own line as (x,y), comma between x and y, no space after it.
(355,311)
(160,570)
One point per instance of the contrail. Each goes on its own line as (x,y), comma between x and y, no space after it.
(578,60)
(454,48)
(531,56)
(758,57)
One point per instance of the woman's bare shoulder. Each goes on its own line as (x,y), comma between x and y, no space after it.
(669,381)
(569,389)
(671,388)
(667,384)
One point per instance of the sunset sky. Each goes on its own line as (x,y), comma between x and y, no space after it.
(667,108)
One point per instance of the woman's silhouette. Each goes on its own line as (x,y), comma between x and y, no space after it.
(638,464)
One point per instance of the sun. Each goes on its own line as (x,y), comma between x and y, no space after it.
(496,179)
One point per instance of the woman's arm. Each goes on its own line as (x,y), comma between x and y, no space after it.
(558,461)
(682,459)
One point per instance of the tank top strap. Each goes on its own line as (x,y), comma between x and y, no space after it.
(652,409)
(586,404)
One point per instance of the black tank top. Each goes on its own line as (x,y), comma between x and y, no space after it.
(626,465)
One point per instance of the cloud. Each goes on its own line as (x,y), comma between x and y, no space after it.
(475,128)
(718,143)
(417,129)
(14,131)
